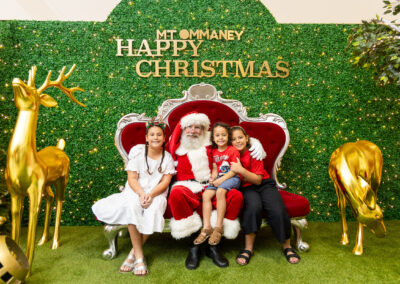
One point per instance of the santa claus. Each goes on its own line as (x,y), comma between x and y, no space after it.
(190,146)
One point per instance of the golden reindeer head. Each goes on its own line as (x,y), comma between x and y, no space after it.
(368,212)
(28,97)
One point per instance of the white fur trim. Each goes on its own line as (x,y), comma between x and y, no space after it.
(194,186)
(200,164)
(185,227)
(196,119)
(231,227)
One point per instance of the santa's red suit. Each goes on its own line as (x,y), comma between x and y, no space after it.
(193,172)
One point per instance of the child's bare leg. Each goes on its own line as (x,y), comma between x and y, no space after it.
(144,239)
(221,206)
(127,265)
(249,240)
(137,240)
(221,209)
(207,208)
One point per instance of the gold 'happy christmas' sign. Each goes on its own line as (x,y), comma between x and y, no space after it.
(190,42)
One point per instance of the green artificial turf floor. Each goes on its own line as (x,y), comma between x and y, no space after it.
(78,260)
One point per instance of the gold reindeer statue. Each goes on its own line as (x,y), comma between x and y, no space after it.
(356,171)
(29,172)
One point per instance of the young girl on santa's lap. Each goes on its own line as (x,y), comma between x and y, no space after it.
(221,181)
(141,205)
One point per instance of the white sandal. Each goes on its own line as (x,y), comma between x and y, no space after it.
(130,265)
(142,267)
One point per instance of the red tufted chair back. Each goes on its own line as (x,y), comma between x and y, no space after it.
(271,135)
(214,110)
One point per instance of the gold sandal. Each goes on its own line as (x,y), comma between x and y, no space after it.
(203,236)
(216,236)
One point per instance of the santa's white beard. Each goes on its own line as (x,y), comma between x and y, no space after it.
(191,142)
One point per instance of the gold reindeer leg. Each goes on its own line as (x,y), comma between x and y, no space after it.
(49,196)
(35,198)
(16,210)
(60,186)
(358,248)
(344,240)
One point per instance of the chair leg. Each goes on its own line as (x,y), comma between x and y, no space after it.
(298,225)
(111,234)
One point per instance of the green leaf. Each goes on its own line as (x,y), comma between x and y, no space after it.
(356,43)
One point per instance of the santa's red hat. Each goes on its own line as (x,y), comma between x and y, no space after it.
(187,120)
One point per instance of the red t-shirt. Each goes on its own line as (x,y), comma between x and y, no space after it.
(224,159)
(252,165)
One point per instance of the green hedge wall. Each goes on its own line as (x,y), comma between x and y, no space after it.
(324,101)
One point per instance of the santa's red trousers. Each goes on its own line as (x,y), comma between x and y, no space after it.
(183,202)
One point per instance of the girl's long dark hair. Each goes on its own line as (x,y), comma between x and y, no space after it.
(147,149)
(223,125)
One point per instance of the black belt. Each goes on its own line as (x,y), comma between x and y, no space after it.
(203,182)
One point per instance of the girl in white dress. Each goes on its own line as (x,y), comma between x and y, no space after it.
(142,204)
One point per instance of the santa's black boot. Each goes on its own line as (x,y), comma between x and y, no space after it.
(217,257)
(193,258)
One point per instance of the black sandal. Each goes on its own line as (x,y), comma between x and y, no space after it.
(246,258)
(288,256)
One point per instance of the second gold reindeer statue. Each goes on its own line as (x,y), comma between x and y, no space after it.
(31,173)
(356,172)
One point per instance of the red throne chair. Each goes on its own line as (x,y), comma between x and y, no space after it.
(270,129)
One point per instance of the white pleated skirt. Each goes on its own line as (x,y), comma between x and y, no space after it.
(124,208)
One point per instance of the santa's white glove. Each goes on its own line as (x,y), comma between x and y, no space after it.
(256,149)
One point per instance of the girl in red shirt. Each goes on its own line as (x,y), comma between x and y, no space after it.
(260,194)
(222,180)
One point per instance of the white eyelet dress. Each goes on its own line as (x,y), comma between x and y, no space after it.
(124,208)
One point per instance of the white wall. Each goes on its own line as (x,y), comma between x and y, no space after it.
(62,10)
(325,11)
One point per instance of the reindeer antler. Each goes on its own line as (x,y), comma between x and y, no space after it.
(32,74)
(58,84)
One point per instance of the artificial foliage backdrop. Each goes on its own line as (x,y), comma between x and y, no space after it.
(324,101)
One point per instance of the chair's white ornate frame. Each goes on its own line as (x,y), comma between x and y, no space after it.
(205,92)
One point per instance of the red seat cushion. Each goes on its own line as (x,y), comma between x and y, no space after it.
(296,205)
